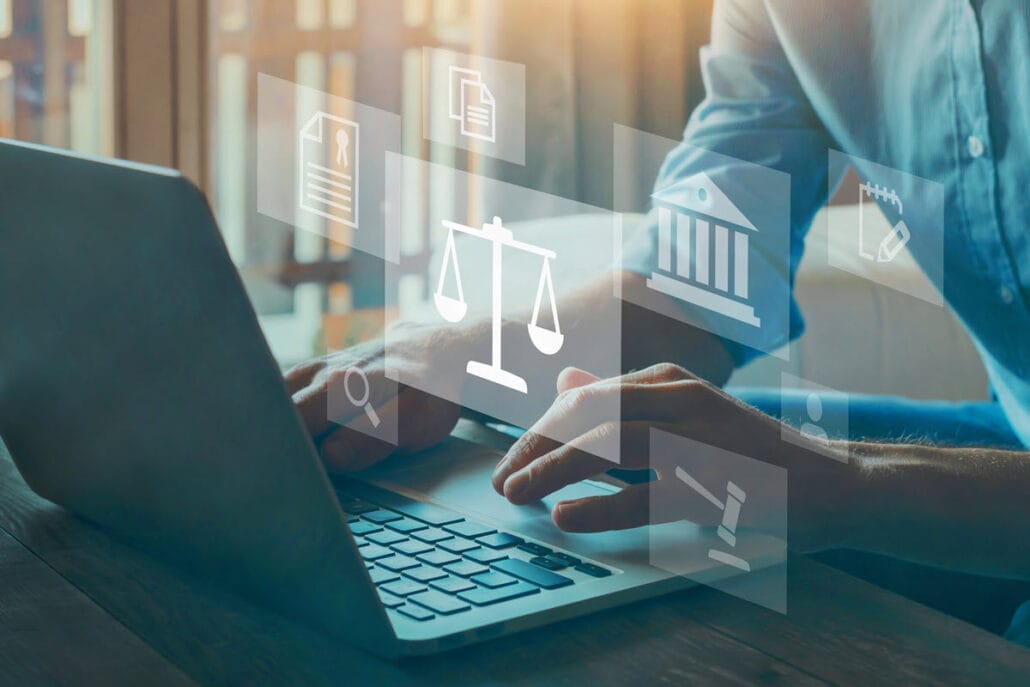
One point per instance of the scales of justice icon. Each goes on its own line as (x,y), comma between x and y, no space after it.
(545,340)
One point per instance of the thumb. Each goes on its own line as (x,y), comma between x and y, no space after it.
(573,377)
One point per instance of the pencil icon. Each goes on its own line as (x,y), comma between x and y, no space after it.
(893,242)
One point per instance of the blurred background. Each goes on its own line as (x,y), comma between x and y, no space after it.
(173,82)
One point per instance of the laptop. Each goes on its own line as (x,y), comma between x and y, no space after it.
(137,391)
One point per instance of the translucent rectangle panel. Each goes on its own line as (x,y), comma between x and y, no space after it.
(719,518)
(475,103)
(502,297)
(732,269)
(895,230)
(321,163)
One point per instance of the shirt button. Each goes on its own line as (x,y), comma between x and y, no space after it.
(1006,295)
(975,146)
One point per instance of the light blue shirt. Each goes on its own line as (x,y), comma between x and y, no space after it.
(939,89)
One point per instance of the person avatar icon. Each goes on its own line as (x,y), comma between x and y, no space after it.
(814,408)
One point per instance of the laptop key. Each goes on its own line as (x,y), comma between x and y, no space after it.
(406,525)
(423,512)
(483,596)
(593,570)
(403,587)
(425,573)
(382,575)
(565,558)
(381,517)
(355,506)
(452,585)
(484,556)
(469,529)
(385,538)
(361,528)
(439,602)
(439,558)
(548,562)
(410,547)
(432,535)
(499,540)
(531,573)
(397,562)
(389,600)
(535,549)
(465,568)
(457,545)
(374,552)
(415,612)
(493,579)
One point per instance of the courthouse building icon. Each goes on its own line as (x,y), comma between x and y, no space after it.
(703,244)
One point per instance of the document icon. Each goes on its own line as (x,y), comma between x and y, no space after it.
(472,104)
(328,168)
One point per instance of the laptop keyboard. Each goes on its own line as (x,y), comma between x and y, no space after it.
(427,561)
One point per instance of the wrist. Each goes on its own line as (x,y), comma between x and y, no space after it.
(871,474)
(428,355)
(830,505)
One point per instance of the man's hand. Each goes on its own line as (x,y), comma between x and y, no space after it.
(823,499)
(425,419)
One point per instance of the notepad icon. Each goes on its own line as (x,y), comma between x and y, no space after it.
(328,168)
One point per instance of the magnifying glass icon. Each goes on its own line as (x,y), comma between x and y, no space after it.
(373,417)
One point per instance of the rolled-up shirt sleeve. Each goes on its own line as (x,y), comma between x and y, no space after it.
(755,110)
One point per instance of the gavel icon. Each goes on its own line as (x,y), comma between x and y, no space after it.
(735,497)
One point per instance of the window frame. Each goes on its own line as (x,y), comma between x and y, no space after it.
(163,116)
(160,61)
(162,72)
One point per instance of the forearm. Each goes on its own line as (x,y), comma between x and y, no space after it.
(648,337)
(964,509)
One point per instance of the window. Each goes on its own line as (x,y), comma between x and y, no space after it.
(366,51)
(56,75)
(173,83)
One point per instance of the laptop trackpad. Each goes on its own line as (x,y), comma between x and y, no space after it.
(457,475)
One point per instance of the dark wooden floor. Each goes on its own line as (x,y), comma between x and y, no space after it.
(77,608)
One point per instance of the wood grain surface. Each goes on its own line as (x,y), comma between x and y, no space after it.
(52,633)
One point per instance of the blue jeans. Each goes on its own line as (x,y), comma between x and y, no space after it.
(987,602)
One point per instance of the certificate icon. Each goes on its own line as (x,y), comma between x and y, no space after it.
(328,168)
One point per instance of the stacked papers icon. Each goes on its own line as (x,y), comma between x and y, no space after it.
(472,104)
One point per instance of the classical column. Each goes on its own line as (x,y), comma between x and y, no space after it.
(664,239)
(740,265)
(683,245)
(701,231)
(722,258)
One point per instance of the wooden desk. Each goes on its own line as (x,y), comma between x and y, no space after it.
(78,608)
